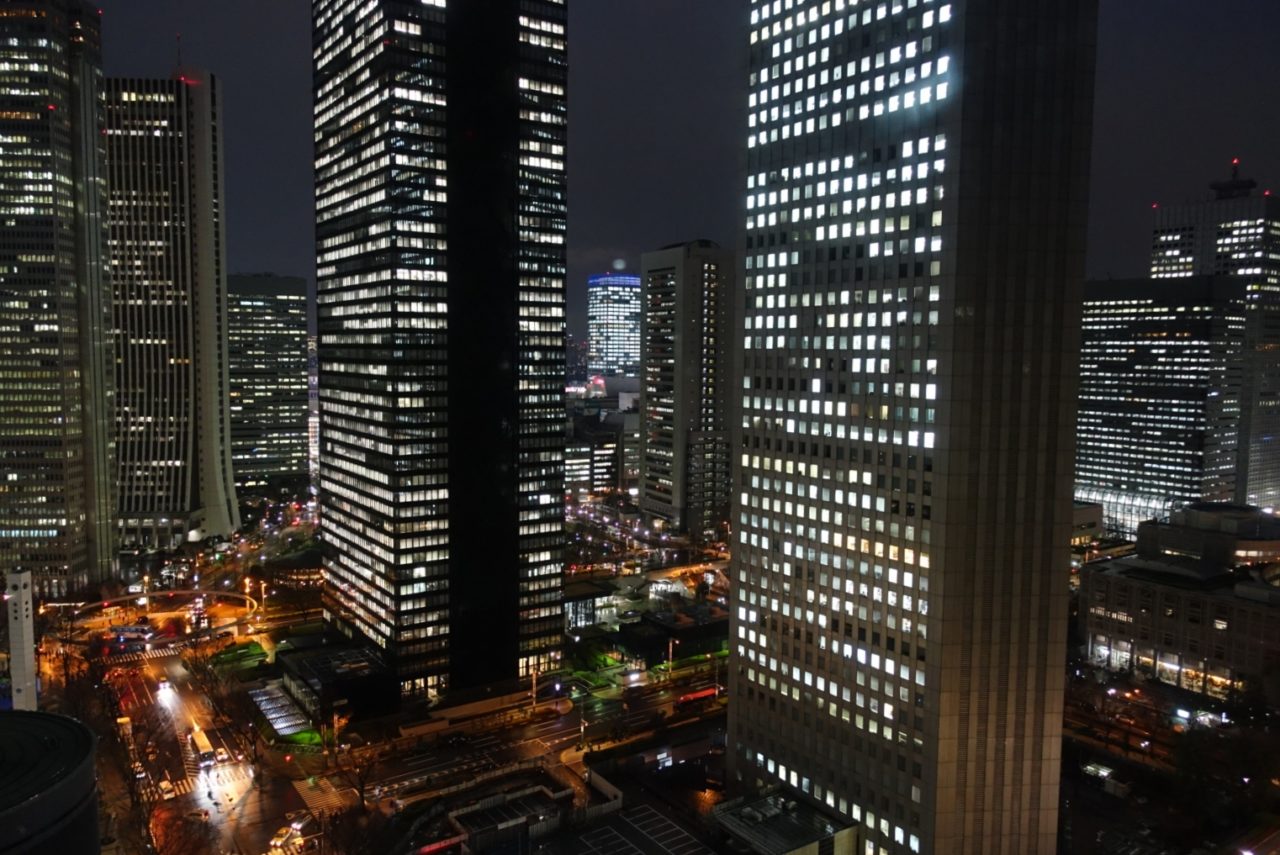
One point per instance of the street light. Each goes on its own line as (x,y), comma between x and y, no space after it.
(671,643)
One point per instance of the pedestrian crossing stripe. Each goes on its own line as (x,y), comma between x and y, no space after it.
(126,658)
(211,779)
(150,790)
(325,796)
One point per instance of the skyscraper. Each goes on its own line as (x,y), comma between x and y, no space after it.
(270,406)
(55,361)
(1237,233)
(440,220)
(1162,370)
(684,391)
(169,278)
(613,324)
(916,183)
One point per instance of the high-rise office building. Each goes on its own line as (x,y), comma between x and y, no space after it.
(613,324)
(55,361)
(168,274)
(440,217)
(270,403)
(916,183)
(1237,233)
(684,390)
(1162,380)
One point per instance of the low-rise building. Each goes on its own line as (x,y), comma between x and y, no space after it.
(1196,606)
(339,679)
(779,824)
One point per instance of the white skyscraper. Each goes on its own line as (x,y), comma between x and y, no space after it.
(22,640)
(915,207)
(168,273)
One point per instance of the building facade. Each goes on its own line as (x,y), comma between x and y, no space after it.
(1236,233)
(613,325)
(270,379)
(440,221)
(1197,607)
(687,298)
(55,357)
(914,250)
(167,248)
(1162,382)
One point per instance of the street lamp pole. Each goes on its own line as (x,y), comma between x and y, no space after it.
(534,707)
(671,643)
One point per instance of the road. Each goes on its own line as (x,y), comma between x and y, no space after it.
(593,717)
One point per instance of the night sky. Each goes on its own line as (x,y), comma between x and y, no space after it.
(657,93)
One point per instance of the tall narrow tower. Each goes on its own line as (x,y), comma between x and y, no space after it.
(168,273)
(22,639)
(55,383)
(440,220)
(916,183)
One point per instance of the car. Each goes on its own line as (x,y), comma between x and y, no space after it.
(166,791)
(163,684)
(138,770)
(283,836)
(220,754)
(226,633)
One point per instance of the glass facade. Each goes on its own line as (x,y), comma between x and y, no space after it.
(440,135)
(1237,234)
(613,325)
(270,404)
(55,354)
(168,276)
(1161,374)
(913,252)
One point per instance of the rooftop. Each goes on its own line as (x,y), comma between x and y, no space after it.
(777,824)
(328,663)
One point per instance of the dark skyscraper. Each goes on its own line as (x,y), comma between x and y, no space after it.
(440,216)
(914,251)
(168,274)
(1237,233)
(56,403)
(684,386)
(270,403)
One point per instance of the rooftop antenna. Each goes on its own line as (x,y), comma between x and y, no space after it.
(1237,187)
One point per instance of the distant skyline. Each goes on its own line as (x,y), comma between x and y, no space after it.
(656,130)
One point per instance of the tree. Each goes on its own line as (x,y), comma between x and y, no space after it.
(356,766)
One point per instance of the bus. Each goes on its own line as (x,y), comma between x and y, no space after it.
(141,632)
(202,749)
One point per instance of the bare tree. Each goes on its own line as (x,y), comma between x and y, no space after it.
(356,766)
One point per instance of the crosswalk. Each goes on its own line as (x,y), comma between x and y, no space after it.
(126,658)
(324,796)
(150,790)
(211,779)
